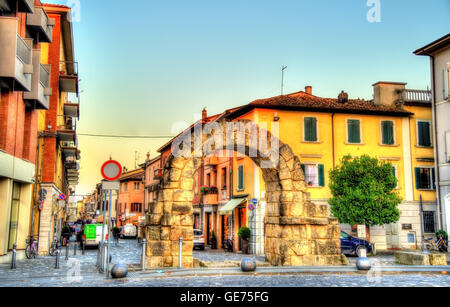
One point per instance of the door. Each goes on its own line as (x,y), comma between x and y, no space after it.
(346,243)
(393,236)
(14,216)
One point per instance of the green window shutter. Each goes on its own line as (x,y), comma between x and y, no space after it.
(433,178)
(388,132)
(418,182)
(310,124)
(394,172)
(354,135)
(304,169)
(241,178)
(424,134)
(321,170)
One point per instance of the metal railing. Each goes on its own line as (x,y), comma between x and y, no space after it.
(23,50)
(44,76)
(68,68)
(416,96)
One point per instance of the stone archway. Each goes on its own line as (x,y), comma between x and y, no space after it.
(298,232)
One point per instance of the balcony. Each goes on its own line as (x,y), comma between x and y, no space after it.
(40,25)
(23,6)
(67,132)
(38,97)
(70,151)
(72,110)
(415,96)
(70,163)
(68,77)
(15,58)
(210,199)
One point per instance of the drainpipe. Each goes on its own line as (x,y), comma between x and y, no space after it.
(332,139)
(436,146)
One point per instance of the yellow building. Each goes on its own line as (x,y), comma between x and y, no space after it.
(395,127)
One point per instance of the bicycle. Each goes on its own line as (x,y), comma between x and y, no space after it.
(31,251)
(440,245)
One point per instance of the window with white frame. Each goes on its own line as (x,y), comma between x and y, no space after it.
(314,175)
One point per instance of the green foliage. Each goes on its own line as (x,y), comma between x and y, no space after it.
(363,192)
(244,233)
(442,233)
(213,235)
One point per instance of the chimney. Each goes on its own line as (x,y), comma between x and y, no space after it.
(204,114)
(343,97)
(387,93)
(308,90)
(148,156)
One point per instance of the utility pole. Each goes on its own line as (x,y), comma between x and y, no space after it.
(283,68)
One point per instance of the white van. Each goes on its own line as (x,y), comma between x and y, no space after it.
(128,231)
(93,234)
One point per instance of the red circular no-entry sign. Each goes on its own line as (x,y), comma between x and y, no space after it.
(111,170)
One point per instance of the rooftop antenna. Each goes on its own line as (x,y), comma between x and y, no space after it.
(283,68)
(137,155)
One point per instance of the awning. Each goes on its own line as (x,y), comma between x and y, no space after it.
(229,207)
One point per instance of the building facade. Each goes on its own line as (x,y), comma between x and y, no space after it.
(439,53)
(131,198)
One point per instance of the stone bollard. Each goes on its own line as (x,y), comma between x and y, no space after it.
(75,246)
(363,263)
(248,265)
(67,250)
(14,256)
(58,254)
(144,248)
(119,271)
(180,253)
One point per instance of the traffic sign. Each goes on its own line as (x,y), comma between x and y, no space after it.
(254,201)
(111,170)
(250,207)
(62,196)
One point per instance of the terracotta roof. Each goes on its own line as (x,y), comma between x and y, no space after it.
(301,101)
(136,174)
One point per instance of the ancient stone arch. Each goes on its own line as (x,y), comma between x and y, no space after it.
(297,232)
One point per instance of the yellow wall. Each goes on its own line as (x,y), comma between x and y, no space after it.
(321,152)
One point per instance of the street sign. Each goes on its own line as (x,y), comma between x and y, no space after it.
(62,196)
(111,170)
(111,185)
(250,207)
(254,201)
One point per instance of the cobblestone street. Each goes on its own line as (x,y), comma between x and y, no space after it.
(41,272)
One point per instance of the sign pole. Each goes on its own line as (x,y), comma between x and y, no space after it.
(102,253)
(109,232)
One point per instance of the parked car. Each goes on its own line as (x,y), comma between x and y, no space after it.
(353,246)
(199,239)
(128,231)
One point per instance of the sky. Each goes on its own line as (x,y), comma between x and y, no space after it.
(149,67)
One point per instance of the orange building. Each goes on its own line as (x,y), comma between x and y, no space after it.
(131,198)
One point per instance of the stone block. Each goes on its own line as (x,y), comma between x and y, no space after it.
(180,208)
(183,196)
(158,248)
(286,185)
(154,219)
(412,258)
(152,233)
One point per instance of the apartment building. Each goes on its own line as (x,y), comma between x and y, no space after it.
(131,198)
(439,53)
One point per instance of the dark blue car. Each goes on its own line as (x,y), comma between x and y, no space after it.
(353,246)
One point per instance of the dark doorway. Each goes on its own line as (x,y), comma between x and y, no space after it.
(208,228)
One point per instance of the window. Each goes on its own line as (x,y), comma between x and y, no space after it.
(428,222)
(208,179)
(137,186)
(425,178)
(224,177)
(125,186)
(240,177)
(354,131)
(395,173)
(446,81)
(387,132)
(314,175)
(136,207)
(424,133)
(14,216)
(310,129)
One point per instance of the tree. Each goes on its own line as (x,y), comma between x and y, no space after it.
(363,192)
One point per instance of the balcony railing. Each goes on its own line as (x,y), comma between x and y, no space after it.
(15,56)
(39,23)
(23,50)
(38,97)
(68,76)
(418,96)
(44,76)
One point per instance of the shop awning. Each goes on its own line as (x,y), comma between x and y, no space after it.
(229,207)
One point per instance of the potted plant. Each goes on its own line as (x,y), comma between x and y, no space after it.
(244,234)
(213,190)
(204,189)
(213,240)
